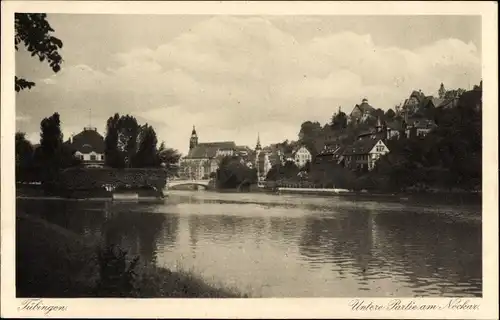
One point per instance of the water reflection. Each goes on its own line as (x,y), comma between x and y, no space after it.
(292,246)
(114,224)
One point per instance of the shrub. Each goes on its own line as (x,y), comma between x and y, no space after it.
(117,274)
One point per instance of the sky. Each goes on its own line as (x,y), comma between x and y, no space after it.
(234,77)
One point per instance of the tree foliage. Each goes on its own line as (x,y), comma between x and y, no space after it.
(339,120)
(52,155)
(24,157)
(310,132)
(233,174)
(390,115)
(448,157)
(131,145)
(147,152)
(286,171)
(34,32)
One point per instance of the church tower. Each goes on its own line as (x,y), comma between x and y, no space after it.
(258,149)
(193,141)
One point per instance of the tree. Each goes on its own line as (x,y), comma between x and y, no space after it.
(112,155)
(379,113)
(170,157)
(390,114)
(24,157)
(35,33)
(451,94)
(339,120)
(51,140)
(128,134)
(309,133)
(54,154)
(147,153)
(232,173)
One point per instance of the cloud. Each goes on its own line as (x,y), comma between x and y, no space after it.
(22,118)
(235,76)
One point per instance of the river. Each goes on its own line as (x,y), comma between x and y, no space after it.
(290,245)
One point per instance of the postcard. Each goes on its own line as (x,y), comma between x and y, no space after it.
(249,159)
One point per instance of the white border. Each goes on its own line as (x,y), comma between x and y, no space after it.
(254,308)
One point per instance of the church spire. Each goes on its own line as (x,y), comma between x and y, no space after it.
(193,141)
(258,146)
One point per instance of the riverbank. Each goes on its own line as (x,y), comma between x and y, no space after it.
(54,262)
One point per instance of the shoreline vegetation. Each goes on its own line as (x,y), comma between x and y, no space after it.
(54,262)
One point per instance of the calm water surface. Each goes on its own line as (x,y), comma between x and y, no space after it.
(292,246)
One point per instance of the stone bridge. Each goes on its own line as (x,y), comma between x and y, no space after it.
(181,182)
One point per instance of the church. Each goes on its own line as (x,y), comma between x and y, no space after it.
(202,160)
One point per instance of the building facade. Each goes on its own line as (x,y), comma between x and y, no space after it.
(301,156)
(203,159)
(361,112)
(363,154)
(89,147)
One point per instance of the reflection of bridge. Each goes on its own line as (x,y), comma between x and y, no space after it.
(182,182)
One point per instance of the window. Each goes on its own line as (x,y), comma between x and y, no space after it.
(93,157)
(102,157)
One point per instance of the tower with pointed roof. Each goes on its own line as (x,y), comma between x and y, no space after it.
(193,141)
(258,149)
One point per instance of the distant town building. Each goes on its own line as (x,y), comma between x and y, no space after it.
(89,147)
(419,127)
(262,160)
(203,158)
(362,112)
(363,154)
(330,154)
(301,156)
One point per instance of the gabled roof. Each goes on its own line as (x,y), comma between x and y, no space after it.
(300,147)
(87,141)
(419,95)
(449,103)
(363,146)
(364,107)
(436,101)
(331,150)
(209,149)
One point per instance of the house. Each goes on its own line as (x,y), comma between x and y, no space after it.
(330,154)
(301,156)
(419,127)
(363,154)
(413,103)
(394,129)
(361,112)
(203,158)
(89,147)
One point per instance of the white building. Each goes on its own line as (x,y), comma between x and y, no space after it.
(301,156)
(89,147)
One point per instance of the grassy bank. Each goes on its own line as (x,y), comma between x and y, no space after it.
(54,262)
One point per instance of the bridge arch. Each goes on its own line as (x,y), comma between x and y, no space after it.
(175,183)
